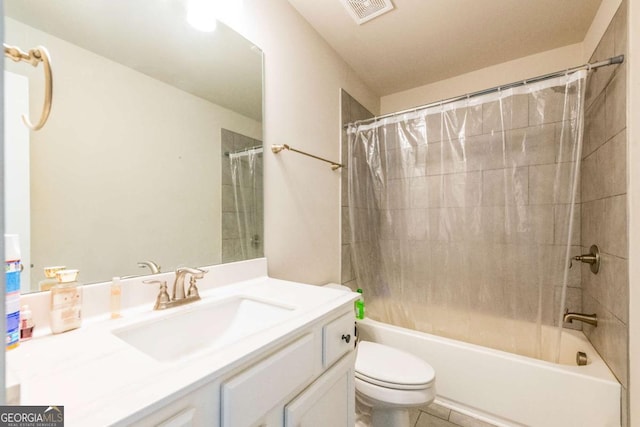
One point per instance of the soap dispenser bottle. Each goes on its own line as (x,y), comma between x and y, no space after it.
(66,302)
(359,305)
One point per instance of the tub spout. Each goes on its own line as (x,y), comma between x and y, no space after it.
(591,319)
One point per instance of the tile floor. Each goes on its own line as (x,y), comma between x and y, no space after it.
(435,415)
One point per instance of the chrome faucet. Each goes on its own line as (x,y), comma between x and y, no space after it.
(179,297)
(591,319)
(155,268)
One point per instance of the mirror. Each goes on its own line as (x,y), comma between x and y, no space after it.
(152,150)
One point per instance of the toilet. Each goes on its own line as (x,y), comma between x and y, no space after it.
(389,382)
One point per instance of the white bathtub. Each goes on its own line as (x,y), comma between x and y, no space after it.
(512,390)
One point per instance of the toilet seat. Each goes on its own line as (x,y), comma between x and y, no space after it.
(388,367)
(394,386)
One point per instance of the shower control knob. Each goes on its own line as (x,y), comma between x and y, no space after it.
(346,338)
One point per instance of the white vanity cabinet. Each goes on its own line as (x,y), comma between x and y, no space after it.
(197,408)
(329,401)
(306,381)
(298,385)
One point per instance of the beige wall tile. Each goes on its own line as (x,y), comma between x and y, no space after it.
(591,188)
(566,140)
(510,113)
(595,133)
(561,224)
(612,166)
(529,224)
(546,106)
(463,189)
(592,223)
(531,146)
(346,226)
(551,183)
(426,192)
(417,224)
(434,128)
(347,269)
(610,287)
(484,152)
(505,186)
(616,102)
(610,338)
(614,230)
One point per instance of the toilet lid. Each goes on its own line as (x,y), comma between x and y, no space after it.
(387,366)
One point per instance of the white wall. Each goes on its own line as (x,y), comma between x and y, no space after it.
(122,159)
(507,72)
(303,77)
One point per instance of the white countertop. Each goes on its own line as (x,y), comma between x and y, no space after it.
(101,380)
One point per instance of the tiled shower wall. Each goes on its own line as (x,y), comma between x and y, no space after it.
(231,249)
(604,204)
(507,277)
(352,111)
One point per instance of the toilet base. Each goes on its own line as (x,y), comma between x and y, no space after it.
(374,416)
(385,417)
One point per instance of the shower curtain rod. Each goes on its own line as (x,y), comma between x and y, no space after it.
(588,66)
(257,148)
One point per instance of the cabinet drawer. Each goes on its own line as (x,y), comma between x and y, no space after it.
(251,394)
(337,338)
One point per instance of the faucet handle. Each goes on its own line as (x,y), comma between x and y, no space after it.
(163,299)
(193,288)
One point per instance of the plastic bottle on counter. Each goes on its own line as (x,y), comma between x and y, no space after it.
(13,268)
(26,323)
(115,298)
(66,302)
(50,277)
(359,305)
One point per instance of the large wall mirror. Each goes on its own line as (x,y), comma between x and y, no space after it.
(153,148)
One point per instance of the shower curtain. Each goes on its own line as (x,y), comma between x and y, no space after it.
(464,216)
(246,178)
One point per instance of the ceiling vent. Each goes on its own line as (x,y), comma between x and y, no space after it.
(365,10)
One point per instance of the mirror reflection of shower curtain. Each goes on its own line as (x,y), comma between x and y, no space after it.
(246,175)
(462,215)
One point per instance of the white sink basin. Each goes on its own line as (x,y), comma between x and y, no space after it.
(204,327)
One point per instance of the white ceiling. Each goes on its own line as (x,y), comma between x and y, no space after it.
(153,37)
(423,41)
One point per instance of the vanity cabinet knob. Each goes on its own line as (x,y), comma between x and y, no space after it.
(346,338)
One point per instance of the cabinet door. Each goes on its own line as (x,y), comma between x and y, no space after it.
(249,396)
(329,401)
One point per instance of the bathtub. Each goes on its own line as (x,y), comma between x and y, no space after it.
(512,390)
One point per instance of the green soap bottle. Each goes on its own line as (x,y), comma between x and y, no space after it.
(359,305)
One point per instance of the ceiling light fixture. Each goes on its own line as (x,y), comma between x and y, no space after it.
(201,14)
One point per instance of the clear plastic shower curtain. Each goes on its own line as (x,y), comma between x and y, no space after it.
(464,216)
(246,177)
